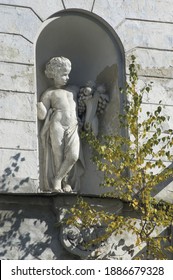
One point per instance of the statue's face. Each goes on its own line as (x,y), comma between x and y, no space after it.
(61,77)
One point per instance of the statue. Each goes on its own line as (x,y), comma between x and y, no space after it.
(92,101)
(59,134)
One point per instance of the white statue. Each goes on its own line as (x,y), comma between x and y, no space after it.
(91,102)
(58,109)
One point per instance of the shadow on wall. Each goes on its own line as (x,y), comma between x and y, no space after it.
(129,249)
(24,237)
(9,176)
(117,250)
(164,184)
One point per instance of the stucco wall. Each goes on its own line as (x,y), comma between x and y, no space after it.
(145,29)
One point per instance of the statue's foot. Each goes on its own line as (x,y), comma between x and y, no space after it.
(57,186)
(58,190)
(46,189)
(67,188)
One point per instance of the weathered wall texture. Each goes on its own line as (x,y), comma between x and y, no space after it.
(145,29)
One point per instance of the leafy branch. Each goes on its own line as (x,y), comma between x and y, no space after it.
(132,167)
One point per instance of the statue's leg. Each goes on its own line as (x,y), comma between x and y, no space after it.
(71,153)
(57,143)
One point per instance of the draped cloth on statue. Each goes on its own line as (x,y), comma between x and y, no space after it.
(71,135)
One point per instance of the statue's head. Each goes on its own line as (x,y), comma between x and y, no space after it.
(58,69)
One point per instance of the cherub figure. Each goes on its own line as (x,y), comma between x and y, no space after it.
(58,109)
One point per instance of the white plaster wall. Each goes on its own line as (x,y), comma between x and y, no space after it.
(145,28)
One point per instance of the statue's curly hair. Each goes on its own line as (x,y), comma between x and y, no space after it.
(58,63)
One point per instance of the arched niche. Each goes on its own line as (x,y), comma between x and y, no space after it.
(96,54)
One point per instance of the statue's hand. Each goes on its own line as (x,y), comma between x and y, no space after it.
(41,111)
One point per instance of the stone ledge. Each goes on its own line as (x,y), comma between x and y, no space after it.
(59,200)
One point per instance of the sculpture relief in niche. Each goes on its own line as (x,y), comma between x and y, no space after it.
(63,110)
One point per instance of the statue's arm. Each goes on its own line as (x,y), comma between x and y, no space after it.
(44,105)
